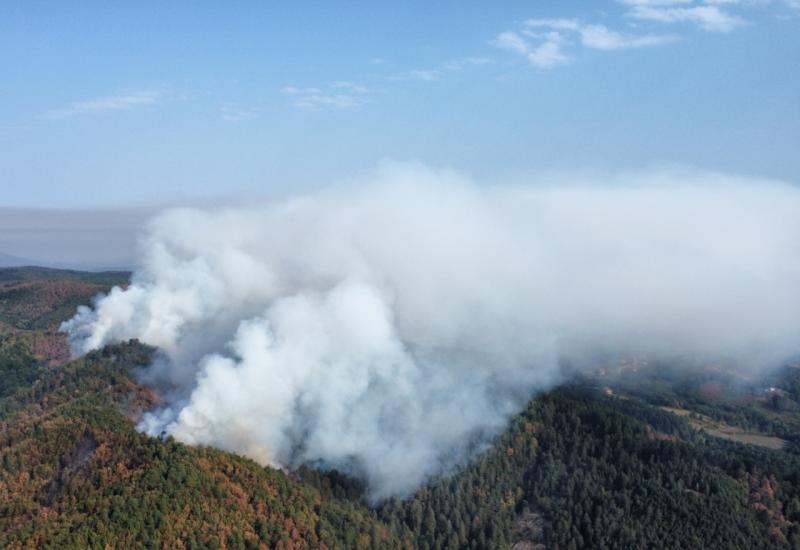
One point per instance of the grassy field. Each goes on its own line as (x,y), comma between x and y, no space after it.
(732,433)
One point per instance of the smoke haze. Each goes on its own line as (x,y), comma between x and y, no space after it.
(387,329)
(71,239)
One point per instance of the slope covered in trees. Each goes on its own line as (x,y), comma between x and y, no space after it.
(581,470)
(74,472)
(595,464)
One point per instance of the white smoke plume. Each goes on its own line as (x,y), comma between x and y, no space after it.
(385,329)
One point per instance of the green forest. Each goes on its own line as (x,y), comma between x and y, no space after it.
(656,456)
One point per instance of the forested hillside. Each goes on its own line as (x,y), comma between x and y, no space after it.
(650,457)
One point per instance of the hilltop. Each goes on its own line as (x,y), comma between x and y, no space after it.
(9,260)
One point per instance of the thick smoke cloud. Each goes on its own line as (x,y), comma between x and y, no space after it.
(388,329)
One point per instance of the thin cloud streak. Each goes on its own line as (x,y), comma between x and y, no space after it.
(543,41)
(600,37)
(121,102)
(234,113)
(452,66)
(709,16)
(341,95)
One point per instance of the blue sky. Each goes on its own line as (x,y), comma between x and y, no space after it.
(119,104)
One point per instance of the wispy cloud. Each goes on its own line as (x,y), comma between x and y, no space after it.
(556,24)
(549,42)
(426,75)
(547,53)
(337,96)
(710,15)
(234,113)
(509,40)
(595,36)
(350,86)
(543,41)
(600,37)
(454,65)
(293,90)
(122,102)
(464,62)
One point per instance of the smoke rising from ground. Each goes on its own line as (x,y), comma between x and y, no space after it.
(387,329)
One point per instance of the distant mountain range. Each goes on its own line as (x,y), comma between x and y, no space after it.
(8,260)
